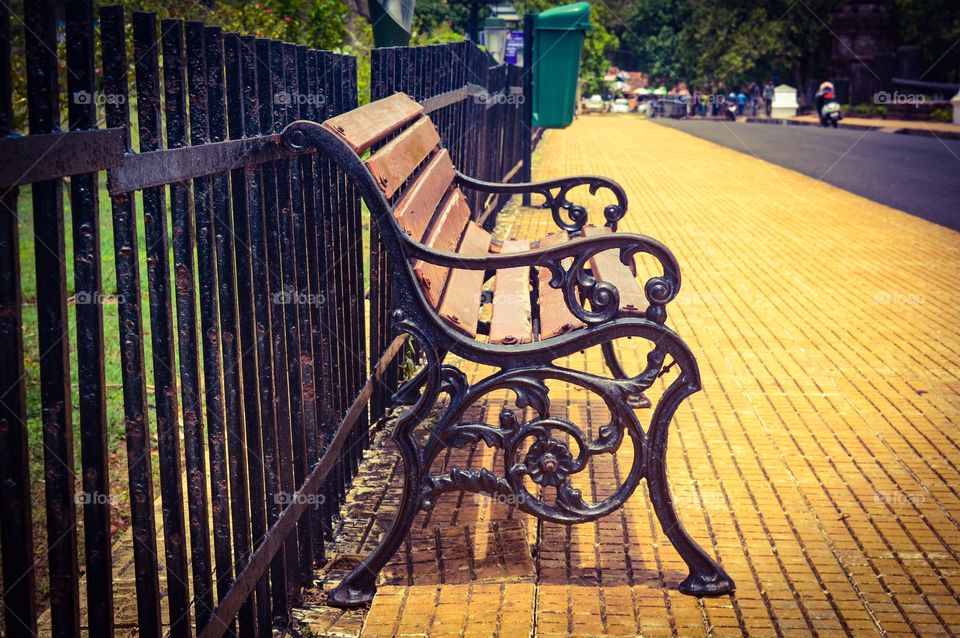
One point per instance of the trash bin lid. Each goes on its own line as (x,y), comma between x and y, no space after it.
(567,17)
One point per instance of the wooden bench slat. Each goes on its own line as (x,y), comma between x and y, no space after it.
(396,161)
(511,301)
(363,127)
(555,317)
(461,301)
(420,202)
(444,236)
(607,267)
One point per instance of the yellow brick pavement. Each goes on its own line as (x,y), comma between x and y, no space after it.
(820,462)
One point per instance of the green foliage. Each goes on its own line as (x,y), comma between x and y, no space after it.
(942,115)
(598,46)
(934,26)
(866,110)
(438,34)
(360,45)
(717,43)
(451,18)
(656,33)
(317,23)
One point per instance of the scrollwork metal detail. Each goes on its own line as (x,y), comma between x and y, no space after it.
(546,449)
(555,197)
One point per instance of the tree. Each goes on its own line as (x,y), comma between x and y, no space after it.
(598,46)
(934,26)
(438,21)
(656,33)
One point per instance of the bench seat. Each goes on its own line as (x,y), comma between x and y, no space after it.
(525,308)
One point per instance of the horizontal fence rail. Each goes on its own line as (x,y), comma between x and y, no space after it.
(227,336)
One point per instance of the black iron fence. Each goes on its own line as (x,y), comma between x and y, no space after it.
(245,381)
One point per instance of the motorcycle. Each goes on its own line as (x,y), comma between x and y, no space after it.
(830,114)
(730,112)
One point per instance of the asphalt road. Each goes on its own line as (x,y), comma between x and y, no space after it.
(916,174)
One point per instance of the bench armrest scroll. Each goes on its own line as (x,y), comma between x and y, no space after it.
(572,277)
(555,192)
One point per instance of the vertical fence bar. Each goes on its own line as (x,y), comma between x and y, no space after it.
(324,263)
(314,241)
(308,297)
(309,87)
(246,193)
(336,324)
(16,515)
(206,271)
(84,200)
(139,466)
(295,312)
(147,67)
(43,100)
(349,257)
(342,330)
(174,84)
(355,254)
(229,338)
(381,71)
(261,306)
(273,346)
(282,363)
(527,119)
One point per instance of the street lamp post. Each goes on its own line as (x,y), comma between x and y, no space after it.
(495,37)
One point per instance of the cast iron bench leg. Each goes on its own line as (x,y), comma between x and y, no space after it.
(707,577)
(358,588)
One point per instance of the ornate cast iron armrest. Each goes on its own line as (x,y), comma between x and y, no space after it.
(603,296)
(555,192)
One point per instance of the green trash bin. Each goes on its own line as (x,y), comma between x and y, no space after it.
(557,44)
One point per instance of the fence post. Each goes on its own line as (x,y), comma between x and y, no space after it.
(526,171)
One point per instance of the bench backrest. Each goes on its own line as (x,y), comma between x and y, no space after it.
(416,176)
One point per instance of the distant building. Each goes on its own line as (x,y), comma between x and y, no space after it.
(863,59)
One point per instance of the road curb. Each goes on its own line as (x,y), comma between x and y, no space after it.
(948,135)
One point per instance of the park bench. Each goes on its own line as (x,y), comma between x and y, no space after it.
(572,290)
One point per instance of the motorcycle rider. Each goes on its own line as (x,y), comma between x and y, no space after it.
(821,96)
(826,96)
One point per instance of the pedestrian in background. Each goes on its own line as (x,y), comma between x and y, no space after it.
(741,102)
(754,98)
(768,97)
